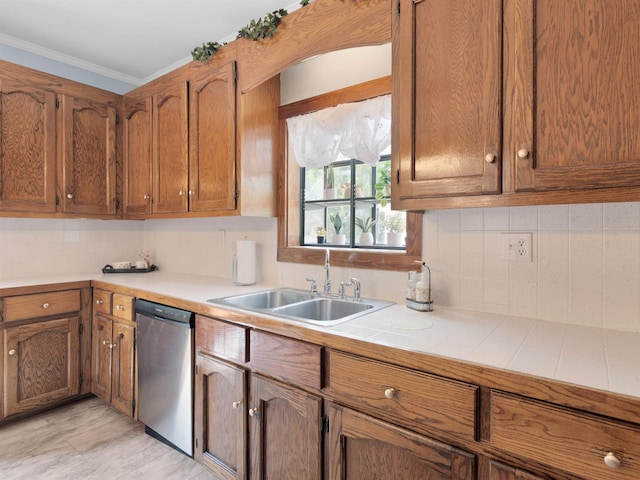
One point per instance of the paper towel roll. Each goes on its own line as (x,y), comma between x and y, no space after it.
(245,273)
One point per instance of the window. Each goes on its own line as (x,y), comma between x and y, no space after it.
(303,205)
(346,204)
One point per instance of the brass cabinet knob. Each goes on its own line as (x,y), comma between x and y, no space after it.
(99,302)
(612,461)
(389,392)
(45,305)
(119,307)
(254,412)
(523,153)
(12,352)
(146,197)
(489,158)
(191,192)
(237,404)
(69,195)
(181,193)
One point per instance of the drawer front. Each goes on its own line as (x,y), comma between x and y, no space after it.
(564,439)
(102,301)
(417,400)
(24,307)
(222,339)
(123,307)
(292,361)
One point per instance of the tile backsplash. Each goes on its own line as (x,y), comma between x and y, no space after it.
(585,267)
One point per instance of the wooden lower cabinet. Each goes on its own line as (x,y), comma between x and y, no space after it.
(499,471)
(42,364)
(362,447)
(220,410)
(285,428)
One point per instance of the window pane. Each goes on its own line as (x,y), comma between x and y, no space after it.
(314,183)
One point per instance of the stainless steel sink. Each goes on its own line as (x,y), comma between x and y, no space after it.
(302,306)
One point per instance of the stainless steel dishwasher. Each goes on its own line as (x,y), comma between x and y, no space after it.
(164,341)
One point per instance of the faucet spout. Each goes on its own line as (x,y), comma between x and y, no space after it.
(327,268)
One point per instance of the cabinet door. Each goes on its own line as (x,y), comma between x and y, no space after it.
(498,471)
(101,357)
(137,159)
(122,367)
(573,106)
(362,447)
(220,418)
(88,157)
(170,150)
(447,84)
(27,149)
(42,364)
(285,432)
(212,141)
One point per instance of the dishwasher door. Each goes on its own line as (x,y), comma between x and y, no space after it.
(165,379)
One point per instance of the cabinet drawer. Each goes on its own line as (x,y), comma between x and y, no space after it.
(24,307)
(292,361)
(122,306)
(417,400)
(102,301)
(564,439)
(222,339)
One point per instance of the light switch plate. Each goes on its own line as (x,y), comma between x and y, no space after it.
(516,247)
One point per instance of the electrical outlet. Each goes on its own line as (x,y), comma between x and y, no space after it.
(516,247)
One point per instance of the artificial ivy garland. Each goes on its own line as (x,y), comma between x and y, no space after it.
(256,29)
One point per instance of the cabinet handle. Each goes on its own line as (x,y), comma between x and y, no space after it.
(489,158)
(99,302)
(254,412)
(191,192)
(389,392)
(12,352)
(146,197)
(612,461)
(45,305)
(523,153)
(119,307)
(181,193)
(106,342)
(236,404)
(69,195)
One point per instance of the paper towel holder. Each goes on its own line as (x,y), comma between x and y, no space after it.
(235,274)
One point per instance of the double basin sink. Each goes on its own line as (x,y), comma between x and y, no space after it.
(302,306)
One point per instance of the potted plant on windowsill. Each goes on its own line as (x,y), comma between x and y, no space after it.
(329,184)
(321,234)
(395,226)
(366,237)
(338,237)
(383,185)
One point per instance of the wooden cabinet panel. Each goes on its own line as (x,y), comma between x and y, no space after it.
(362,447)
(123,307)
(499,471)
(24,307)
(212,145)
(423,402)
(447,78)
(564,439)
(573,108)
(220,411)
(88,157)
(122,367)
(27,149)
(285,432)
(137,161)
(42,364)
(101,357)
(102,301)
(289,360)
(170,155)
(222,339)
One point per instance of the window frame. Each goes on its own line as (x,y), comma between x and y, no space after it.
(289,198)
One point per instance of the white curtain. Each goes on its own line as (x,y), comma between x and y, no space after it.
(359,130)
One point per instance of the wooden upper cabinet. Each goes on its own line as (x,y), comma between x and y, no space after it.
(447,89)
(573,108)
(137,158)
(212,142)
(88,145)
(170,150)
(27,149)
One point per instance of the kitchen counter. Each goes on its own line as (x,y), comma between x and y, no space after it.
(592,358)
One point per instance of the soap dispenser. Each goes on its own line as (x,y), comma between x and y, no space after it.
(422,301)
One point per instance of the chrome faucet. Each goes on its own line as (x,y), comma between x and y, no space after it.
(327,267)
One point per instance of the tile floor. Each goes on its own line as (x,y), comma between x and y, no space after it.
(89,440)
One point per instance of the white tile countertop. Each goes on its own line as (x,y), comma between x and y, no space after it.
(607,360)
